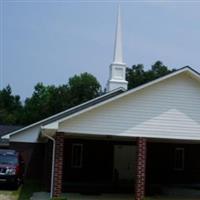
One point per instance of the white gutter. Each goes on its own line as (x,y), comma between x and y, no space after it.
(53,163)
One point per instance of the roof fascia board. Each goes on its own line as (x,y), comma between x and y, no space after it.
(134,135)
(194,73)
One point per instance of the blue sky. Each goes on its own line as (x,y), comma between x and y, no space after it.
(50,41)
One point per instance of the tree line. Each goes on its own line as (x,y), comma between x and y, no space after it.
(48,100)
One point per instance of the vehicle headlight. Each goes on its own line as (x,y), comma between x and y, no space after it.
(11,171)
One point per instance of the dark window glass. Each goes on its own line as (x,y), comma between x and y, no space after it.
(77,151)
(179,159)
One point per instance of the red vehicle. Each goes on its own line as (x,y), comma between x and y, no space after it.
(11,167)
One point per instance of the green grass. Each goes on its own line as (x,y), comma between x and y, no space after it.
(28,188)
(11,194)
(168,198)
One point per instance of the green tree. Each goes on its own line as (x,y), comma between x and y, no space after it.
(10,107)
(83,88)
(137,75)
(36,107)
(48,100)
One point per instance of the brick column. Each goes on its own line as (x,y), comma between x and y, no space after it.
(141,168)
(58,166)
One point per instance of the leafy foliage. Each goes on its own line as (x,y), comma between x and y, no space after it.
(48,100)
(83,88)
(137,75)
(10,107)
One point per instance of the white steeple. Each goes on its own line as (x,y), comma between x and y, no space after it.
(118,57)
(117,68)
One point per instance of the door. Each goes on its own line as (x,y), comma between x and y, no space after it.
(125,161)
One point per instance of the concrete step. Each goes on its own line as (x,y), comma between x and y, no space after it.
(40,196)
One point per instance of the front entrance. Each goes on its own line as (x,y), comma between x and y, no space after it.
(86,166)
(99,166)
(125,162)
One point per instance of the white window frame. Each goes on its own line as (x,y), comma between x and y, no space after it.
(182,150)
(81,155)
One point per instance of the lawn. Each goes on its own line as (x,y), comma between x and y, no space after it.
(29,187)
(169,198)
(6,194)
(22,193)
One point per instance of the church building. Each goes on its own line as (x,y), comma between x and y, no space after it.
(123,141)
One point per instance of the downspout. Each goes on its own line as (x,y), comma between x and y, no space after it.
(53,163)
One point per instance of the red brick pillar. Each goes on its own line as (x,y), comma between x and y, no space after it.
(58,165)
(141,168)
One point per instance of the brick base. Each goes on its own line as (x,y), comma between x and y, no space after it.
(141,167)
(58,166)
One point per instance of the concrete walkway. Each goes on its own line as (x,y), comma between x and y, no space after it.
(40,195)
(169,194)
(100,197)
(187,193)
(72,196)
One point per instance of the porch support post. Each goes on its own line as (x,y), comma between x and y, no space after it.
(58,165)
(141,168)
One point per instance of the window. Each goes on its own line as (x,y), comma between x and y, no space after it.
(77,154)
(179,159)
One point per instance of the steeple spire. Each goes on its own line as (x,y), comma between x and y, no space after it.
(118,57)
(117,76)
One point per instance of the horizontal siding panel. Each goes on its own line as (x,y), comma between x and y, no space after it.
(170,108)
(119,129)
(149,126)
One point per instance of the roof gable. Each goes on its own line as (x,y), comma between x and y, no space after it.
(53,121)
(185,70)
(166,109)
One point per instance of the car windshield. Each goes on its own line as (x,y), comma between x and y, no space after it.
(8,159)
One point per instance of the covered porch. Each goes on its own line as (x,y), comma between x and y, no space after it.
(129,166)
(95,165)
(172,166)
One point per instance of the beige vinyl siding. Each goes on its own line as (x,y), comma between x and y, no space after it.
(167,109)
